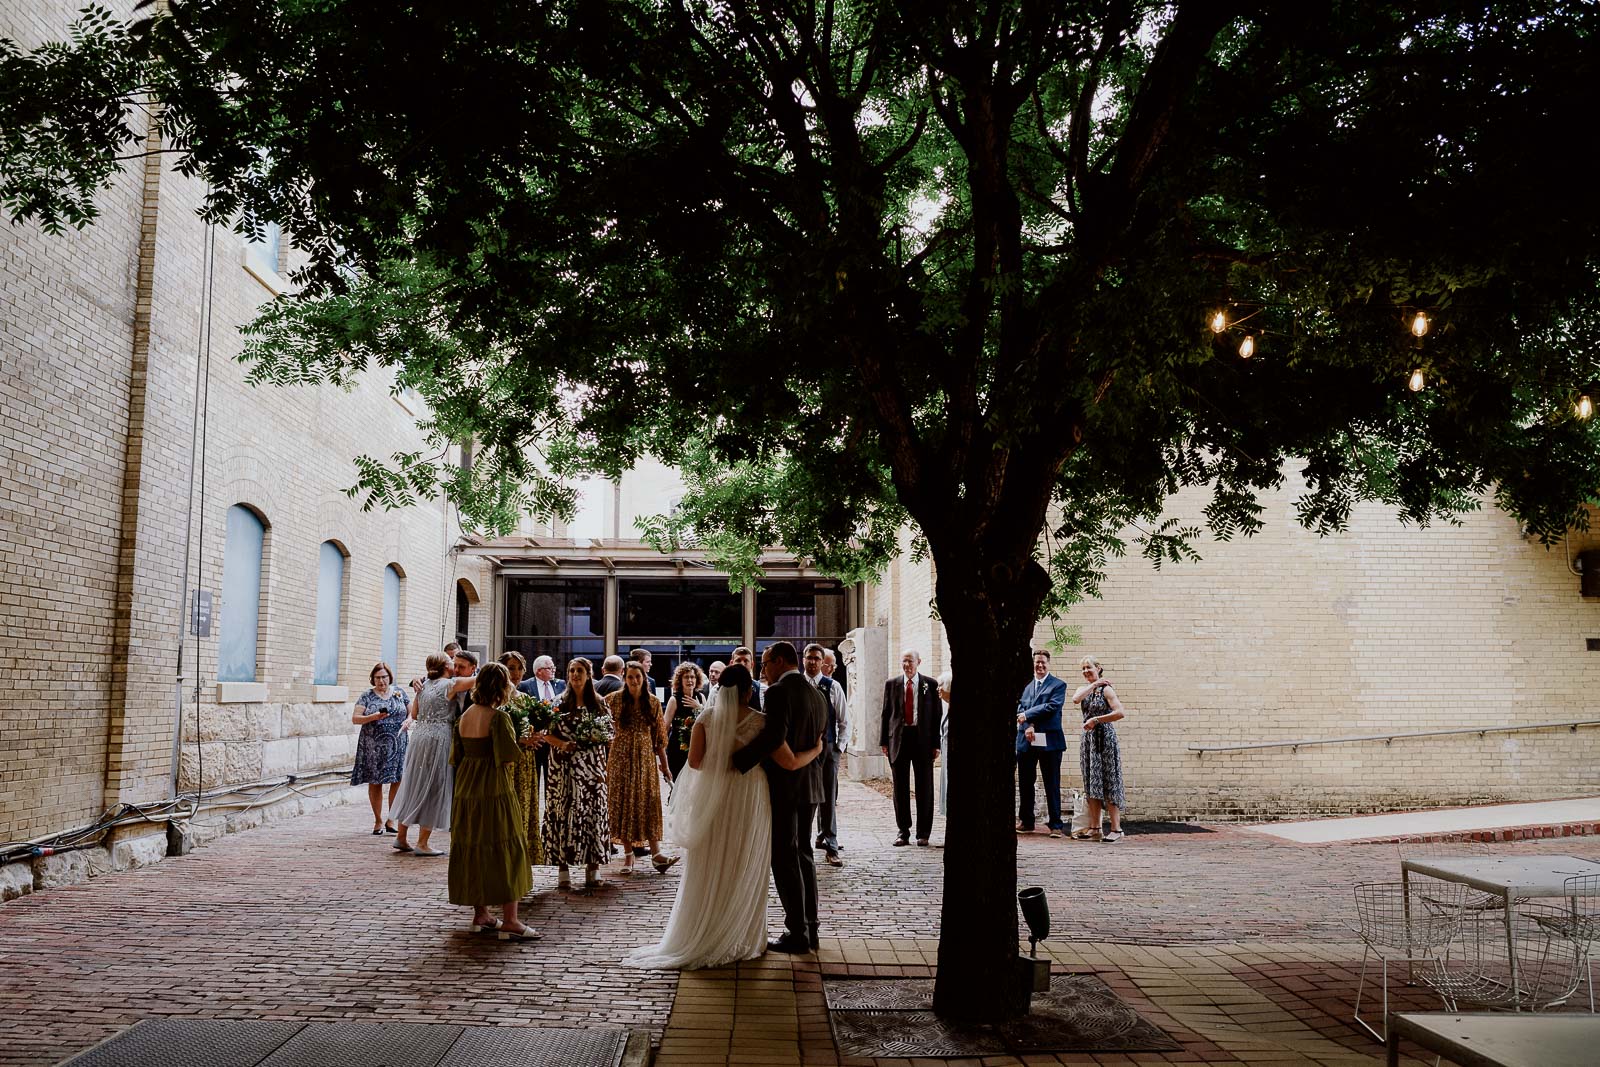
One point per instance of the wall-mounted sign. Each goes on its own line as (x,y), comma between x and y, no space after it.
(200,613)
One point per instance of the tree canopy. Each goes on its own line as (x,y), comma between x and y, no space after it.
(849,264)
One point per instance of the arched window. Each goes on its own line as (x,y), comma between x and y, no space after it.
(241,596)
(330,604)
(390,637)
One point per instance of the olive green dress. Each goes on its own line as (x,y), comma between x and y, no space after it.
(488,834)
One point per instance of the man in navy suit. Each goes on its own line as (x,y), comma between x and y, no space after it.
(546,686)
(909,736)
(1040,742)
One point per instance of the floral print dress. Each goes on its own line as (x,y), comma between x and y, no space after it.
(381,748)
(1099,759)
(577,826)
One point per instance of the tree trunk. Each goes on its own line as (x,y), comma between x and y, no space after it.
(989,613)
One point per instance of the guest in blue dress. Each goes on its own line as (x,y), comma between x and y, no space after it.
(381,748)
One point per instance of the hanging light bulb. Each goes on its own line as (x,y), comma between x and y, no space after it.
(1417,381)
(1585,406)
(1247,347)
(1419,325)
(1219,322)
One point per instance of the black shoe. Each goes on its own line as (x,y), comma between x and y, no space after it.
(641,851)
(902,840)
(816,943)
(790,943)
(821,843)
(922,842)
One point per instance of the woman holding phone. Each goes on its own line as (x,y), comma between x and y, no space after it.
(381,748)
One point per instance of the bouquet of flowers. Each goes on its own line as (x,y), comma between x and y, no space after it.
(586,729)
(530,715)
(683,724)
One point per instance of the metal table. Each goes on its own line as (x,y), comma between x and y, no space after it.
(1507,877)
(1495,1039)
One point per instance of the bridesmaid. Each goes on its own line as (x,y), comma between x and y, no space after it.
(381,748)
(638,763)
(577,829)
(530,764)
(488,849)
(682,708)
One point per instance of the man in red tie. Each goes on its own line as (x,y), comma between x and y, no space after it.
(910,738)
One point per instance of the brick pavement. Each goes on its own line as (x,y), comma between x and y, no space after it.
(1234,943)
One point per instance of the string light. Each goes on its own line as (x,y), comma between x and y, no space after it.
(1585,406)
(1219,322)
(1419,325)
(1417,381)
(1247,347)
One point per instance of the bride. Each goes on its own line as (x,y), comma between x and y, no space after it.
(722,822)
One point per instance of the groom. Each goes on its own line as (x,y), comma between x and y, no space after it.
(796,712)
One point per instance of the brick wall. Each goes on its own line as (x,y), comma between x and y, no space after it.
(1288,636)
(101,336)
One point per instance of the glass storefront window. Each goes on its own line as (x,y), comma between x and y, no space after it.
(555,607)
(672,607)
(801,610)
(694,619)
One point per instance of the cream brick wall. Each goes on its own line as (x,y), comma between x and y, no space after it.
(100,338)
(1287,636)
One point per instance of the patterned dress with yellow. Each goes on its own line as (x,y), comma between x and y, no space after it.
(633,780)
(530,793)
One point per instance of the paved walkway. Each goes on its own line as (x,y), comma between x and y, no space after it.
(1443,821)
(1233,941)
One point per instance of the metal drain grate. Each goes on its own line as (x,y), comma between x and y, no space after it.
(366,1045)
(190,1043)
(251,1043)
(533,1046)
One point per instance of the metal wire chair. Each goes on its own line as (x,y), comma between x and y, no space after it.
(1401,924)
(1579,919)
(1435,848)
(1537,967)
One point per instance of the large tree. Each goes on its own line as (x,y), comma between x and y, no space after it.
(991,268)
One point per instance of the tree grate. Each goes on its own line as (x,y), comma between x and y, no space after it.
(893,1017)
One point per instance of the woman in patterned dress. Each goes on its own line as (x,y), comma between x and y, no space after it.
(577,829)
(530,763)
(1098,757)
(381,748)
(637,764)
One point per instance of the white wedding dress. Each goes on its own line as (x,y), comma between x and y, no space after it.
(721,821)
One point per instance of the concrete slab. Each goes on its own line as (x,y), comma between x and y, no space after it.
(1443,821)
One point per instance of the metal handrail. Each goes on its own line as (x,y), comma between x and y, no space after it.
(1481,731)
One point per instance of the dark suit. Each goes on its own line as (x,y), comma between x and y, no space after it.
(796,713)
(1041,706)
(912,748)
(607,684)
(531,687)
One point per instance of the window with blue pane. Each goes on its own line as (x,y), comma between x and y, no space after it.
(241,596)
(330,603)
(390,635)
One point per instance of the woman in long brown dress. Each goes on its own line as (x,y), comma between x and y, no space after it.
(488,833)
(638,763)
